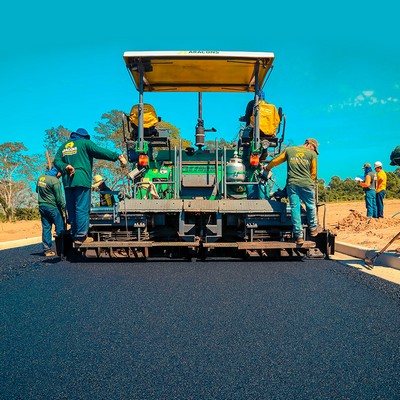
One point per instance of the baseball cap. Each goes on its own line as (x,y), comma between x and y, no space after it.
(377,164)
(366,165)
(314,143)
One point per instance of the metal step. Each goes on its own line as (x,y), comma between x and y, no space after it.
(238,245)
(134,244)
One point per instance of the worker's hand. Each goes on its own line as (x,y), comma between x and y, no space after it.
(122,160)
(70,170)
(267,174)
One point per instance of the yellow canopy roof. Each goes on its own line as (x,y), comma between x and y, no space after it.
(198,71)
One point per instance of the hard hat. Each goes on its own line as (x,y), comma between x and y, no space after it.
(98,180)
(377,164)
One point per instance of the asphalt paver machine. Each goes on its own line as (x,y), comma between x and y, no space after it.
(197,202)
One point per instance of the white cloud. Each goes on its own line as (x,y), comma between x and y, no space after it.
(364,99)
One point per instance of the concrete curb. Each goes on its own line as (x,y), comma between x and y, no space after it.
(20,243)
(386,259)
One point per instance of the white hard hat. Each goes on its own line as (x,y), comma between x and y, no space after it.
(377,164)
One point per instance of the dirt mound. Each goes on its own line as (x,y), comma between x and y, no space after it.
(356,222)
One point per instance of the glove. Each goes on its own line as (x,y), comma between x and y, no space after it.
(266,174)
(122,160)
(70,170)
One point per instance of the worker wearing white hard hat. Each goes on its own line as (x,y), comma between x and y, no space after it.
(381,179)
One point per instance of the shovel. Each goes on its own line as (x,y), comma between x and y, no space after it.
(370,261)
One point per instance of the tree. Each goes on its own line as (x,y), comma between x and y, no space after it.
(16,173)
(54,138)
(347,190)
(322,191)
(393,185)
(110,134)
(174,135)
(210,144)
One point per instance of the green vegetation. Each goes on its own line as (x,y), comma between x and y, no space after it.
(339,190)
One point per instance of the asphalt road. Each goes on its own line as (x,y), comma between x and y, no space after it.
(195,330)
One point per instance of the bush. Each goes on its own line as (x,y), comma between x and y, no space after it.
(27,214)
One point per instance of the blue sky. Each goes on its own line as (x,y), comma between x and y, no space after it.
(336,72)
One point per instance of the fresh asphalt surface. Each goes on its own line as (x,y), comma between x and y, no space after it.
(195,330)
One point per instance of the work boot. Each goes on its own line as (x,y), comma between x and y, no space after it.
(87,240)
(299,240)
(314,232)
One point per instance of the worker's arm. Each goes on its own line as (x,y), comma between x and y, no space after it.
(313,169)
(281,158)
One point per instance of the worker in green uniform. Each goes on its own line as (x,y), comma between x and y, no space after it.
(74,159)
(51,206)
(300,185)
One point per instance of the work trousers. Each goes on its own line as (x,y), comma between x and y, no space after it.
(379,203)
(296,195)
(77,201)
(49,216)
(370,203)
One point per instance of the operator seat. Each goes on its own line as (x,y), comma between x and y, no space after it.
(270,119)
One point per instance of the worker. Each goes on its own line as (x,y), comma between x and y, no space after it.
(106,198)
(381,179)
(300,186)
(248,113)
(74,159)
(369,187)
(269,118)
(51,207)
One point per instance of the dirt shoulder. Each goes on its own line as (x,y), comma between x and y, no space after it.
(349,222)
(20,230)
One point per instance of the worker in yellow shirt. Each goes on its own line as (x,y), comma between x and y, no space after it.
(381,180)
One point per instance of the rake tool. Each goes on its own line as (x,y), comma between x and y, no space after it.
(370,261)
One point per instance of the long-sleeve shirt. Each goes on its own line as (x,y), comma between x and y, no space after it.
(49,192)
(301,165)
(80,154)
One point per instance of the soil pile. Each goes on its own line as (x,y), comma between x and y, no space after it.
(356,222)
(373,233)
